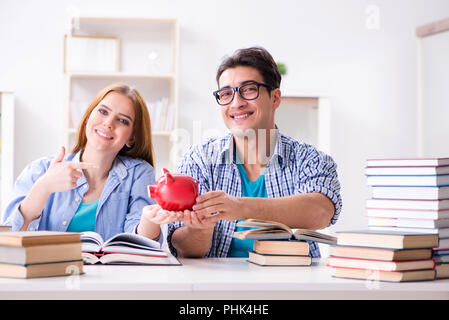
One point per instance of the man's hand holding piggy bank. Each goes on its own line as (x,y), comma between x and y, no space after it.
(174,193)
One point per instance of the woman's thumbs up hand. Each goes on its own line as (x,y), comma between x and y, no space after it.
(63,175)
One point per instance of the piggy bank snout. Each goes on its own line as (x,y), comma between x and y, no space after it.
(152,191)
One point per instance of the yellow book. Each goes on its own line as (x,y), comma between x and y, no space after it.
(62,268)
(285,247)
(32,238)
(279,260)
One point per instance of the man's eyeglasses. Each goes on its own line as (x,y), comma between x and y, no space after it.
(247,91)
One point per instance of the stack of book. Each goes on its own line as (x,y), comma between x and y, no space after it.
(276,244)
(280,253)
(394,256)
(411,195)
(4,228)
(31,254)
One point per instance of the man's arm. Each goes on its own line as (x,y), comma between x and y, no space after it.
(193,241)
(315,204)
(308,211)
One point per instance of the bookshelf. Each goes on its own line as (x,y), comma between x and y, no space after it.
(6,147)
(147,59)
(306,118)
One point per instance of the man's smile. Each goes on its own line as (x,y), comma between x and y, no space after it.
(241,115)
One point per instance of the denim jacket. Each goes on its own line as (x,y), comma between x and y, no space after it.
(119,207)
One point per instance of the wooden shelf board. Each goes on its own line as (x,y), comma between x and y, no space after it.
(122,19)
(167,76)
(295,101)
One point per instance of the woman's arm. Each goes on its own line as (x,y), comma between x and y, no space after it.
(60,176)
(139,200)
(33,204)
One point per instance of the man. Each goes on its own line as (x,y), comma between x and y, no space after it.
(255,171)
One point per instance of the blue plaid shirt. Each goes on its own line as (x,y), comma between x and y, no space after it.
(294,168)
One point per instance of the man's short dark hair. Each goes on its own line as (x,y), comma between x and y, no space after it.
(258,58)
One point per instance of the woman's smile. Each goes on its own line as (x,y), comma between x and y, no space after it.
(103,134)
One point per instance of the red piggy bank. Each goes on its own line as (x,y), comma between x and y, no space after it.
(174,192)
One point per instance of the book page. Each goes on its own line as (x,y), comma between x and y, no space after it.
(131,250)
(90,258)
(264,224)
(306,234)
(132,240)
(92,241)
(137,259)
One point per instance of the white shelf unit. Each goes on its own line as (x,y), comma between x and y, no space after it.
(433,96)
(306,118)
(6,147)
(156,78)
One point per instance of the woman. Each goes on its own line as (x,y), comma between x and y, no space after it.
(101,185)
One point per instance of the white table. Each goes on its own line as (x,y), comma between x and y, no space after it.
(230,278)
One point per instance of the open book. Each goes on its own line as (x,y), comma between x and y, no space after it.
(269,230)
(124,248)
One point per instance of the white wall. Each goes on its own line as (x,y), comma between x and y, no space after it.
(435,94)
(336,48)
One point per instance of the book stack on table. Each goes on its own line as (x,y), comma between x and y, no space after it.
(394,256)
(276,244)
(31,254)
(411,195)
(4,228)
(280,253)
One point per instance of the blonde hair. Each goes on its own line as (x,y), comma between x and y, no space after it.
(143,145)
